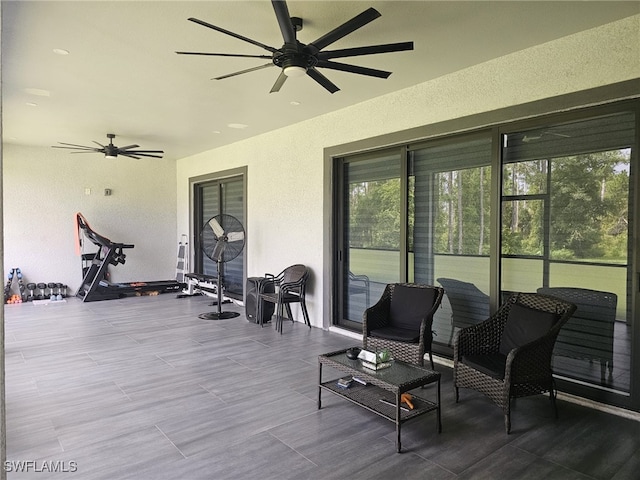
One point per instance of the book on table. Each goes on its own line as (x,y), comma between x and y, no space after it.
(345,382)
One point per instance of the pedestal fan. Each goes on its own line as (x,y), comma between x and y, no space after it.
(222,240)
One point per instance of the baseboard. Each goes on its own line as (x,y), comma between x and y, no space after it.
(346,333)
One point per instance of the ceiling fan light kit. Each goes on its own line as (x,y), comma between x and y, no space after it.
(294,71)
(296,59)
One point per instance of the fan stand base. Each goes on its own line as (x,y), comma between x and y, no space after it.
(218,316)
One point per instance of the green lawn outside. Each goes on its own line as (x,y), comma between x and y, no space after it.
(518,275)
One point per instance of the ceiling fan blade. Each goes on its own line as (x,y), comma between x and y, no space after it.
(371,72)
(238,55)
(243,71)
(218,231)
(75,145)
(235,35)
(279,82)
(145,155)
(143,151)
(284,20)
(128,147)
(84,150)
(346,28)
(369,50)
(322,80)
(130,155)
(71,145)
(102,146)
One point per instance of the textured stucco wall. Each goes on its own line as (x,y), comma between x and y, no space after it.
(285,184)
(45,187)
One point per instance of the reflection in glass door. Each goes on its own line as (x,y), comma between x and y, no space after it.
(566,223)
(371,233)
(450,218)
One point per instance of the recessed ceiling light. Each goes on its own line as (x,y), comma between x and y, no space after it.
(239,126)
(31,104)
(38,92)
(216,132)
(60,51)
(295,103)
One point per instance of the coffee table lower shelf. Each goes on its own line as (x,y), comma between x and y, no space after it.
(380,401)
(383,389)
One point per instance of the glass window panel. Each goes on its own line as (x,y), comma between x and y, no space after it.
(450,217)
(575,214)
(522,227)
(521,275)
(590,207)
(372,231)
(461,220)
(524,178)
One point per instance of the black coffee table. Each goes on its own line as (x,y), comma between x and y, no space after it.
(383,389)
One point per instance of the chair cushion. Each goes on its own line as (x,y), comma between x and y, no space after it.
(492,365)
(409,305)
(525,325)
(397,334)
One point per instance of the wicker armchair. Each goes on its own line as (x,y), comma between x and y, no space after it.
(401,321)
(509,355)
(289,286)
(589,332)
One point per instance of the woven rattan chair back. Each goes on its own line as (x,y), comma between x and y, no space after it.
(378,316)
(528,368)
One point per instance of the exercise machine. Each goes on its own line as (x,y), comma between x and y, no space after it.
(95,283)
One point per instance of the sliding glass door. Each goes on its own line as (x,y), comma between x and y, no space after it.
(544,205)
(450,218)
(369,251)
(215,197)
(567,219)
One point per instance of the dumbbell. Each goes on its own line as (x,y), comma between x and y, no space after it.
(60,296)
(51,286)
(31,287)
(42,287)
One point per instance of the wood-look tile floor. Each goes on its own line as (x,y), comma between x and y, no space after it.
(141,388)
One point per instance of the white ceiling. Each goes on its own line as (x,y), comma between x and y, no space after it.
(122,75)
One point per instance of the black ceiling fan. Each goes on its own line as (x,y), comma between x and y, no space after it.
(296,59)
(112,151)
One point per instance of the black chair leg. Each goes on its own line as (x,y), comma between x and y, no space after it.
(305,313)
(289,314)
(279,318)
(552,399)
